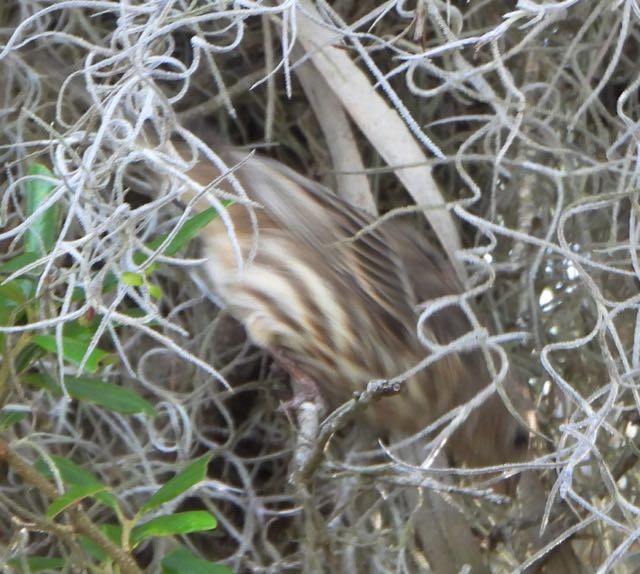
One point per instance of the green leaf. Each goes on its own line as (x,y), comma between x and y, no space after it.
(173,524)
(75,475)
(112,397)
(9,417)
(11,294)
(181,560)
(81,332)
(70,472)
(154,290)
(181,482)
(112,531)
(188,230)
(132,279)
(36,564)
(29,355)
(43,231)
(92,549)
(43,382)
(72,495)
(12,302)
(18,262)
(97,391)
(73,351)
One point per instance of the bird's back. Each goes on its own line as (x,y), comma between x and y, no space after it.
(342,304)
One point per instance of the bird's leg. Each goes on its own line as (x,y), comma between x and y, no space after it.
(309,407)
(305,388)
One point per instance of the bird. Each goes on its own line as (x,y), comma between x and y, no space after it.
(334,296)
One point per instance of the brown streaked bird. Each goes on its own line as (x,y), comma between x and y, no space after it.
(343,310)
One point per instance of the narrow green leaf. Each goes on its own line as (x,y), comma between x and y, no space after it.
(29,355)
(187,232)
(71,496)
(42,381)
(18,262)
(73,350)
(36,564)
(9,417)
(132,279)
(92,549)
(181,560)
(42,233)
(75,475)
(113,533)
(112,397)
(70,472)
(173,524)
(181,482)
